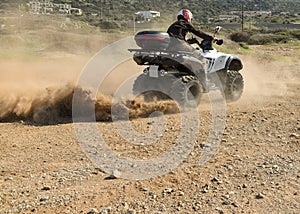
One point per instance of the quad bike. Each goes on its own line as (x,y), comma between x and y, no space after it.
(182,76)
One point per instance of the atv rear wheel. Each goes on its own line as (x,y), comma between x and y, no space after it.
(147,87)
(234,86)
(187,91)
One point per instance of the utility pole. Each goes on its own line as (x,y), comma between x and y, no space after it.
(242,16)
(133,23)
(260,12)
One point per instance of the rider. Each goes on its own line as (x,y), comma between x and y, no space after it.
(179,29)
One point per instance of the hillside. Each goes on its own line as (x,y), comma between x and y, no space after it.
(120,10)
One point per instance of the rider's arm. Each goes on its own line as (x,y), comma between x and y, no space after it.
(199,33)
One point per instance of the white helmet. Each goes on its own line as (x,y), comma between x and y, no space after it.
(187,15)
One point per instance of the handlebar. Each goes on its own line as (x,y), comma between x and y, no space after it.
(193,41)
(205,45)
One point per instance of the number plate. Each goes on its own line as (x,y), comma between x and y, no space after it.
(153,71)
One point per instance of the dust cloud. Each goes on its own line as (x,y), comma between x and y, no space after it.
(42,91)
(54,105)
(266,79)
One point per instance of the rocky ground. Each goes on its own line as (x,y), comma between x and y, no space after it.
(255,169)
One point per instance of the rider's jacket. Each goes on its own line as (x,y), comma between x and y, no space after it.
(180,28)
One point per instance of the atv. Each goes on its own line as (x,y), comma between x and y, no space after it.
(181,75)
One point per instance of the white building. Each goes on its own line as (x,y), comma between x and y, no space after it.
(148,15)
(41,6)
(47,6)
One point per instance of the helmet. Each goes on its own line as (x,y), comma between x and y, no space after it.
(186,14)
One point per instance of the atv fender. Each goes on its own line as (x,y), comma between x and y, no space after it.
(233,63)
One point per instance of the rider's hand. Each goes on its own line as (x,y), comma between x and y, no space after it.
(215,39)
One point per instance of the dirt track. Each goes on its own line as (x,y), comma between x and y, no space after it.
(255,170)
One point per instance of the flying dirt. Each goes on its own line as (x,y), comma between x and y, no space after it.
(54,106)
(30,92)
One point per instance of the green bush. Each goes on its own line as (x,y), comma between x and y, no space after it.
(241,36)
(264,36)
(296,34)
(263,39)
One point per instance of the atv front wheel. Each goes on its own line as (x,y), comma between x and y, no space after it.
(234,86)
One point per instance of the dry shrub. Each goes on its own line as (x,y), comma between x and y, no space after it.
(241,36)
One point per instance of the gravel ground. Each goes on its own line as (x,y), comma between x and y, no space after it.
(255,169)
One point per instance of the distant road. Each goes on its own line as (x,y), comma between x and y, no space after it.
(270,26)
(146,25)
